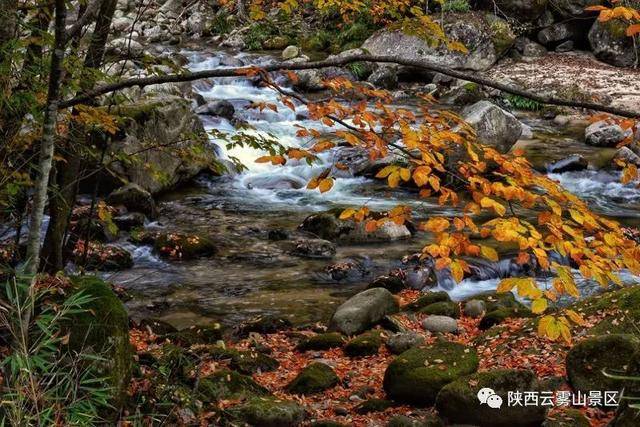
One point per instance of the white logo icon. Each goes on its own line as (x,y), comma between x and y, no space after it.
(488,396)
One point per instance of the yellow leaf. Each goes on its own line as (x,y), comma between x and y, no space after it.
(394,179)
(325,185)
(457,271)
(386,171)
(539,306)
(575,317)
(347,213)
(506,285)
(436,225)
(489,253)
(405,174)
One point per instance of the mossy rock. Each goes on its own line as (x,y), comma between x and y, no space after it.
(391,283)
(586,361)
(199,334)
(499,315)
(417,375)
(374,405)
(428,299)
(567,418)
(366,344)
(105,258)
(442,308)
(245,362)
(314,378)
(458,401)
(626,300)
(184,246)
(324,341)
(268,412)
(228,385)
(327,423)
(268,324)
(177,363)
(103,328)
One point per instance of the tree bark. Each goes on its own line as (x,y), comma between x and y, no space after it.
(65,186)
(339,62)
(47,144)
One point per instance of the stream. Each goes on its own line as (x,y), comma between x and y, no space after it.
(254,274)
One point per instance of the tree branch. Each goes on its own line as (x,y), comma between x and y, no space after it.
(338,62)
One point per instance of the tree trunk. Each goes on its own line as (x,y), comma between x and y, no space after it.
(63,196)
(47,144)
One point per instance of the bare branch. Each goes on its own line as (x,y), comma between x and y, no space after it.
(338,62)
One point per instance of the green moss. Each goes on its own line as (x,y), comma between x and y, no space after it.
(458,401)
(103,327)
(327,423)
(428,299)
(587,360)
(501,34)
(626,300)
(499,315)
(314,378)
(227,384)
(374,405)
(322,341)
(353,35)
(442,308)
(320,40)
(268,412)
(616,27)
(567,418)
(366,344)
(200,334)
(176,363)
(417,375)
(268,324)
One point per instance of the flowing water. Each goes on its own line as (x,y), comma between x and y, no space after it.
(255,275)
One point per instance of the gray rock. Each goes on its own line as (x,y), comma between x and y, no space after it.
(560,32)
(529,48)
(575,162)
(485,36)
(403,341)
(565,46)
(223,109)
(440,324)
(290,52)
(474,308)
(328,226)
(626,155)
(125,48)
(385,77)
(134,198)
(520,10)
(610,44)
(314,248)
(494,126)
(363,310)
(604,134)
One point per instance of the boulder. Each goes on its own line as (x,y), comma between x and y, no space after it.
(129,221)
(588,358)
(139,154)
(324,341)
(610,43)
(385,77)
(314,248)
(428,299)
(223,109)
(101,257)
(363,310)
(314,378)
(124,47)
(528,48)
(567,418)
(373,405)
(198,334)
(442,308)
(102,328)
(134,198)
(605,134)
(403,341)
(474,308)
(366,344)
(493,125)
(458,401)
(573,163)
(290,52)
(227,384)
(440,324)
(560,32)
(417,375)
(246,362)
(267,412)
(327,225)
(574,8)
(276,43)
(521,10)
(393,284)
(485,36)
(626,156)
(182,246)
(404,421)
(359,163)
(268,324)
